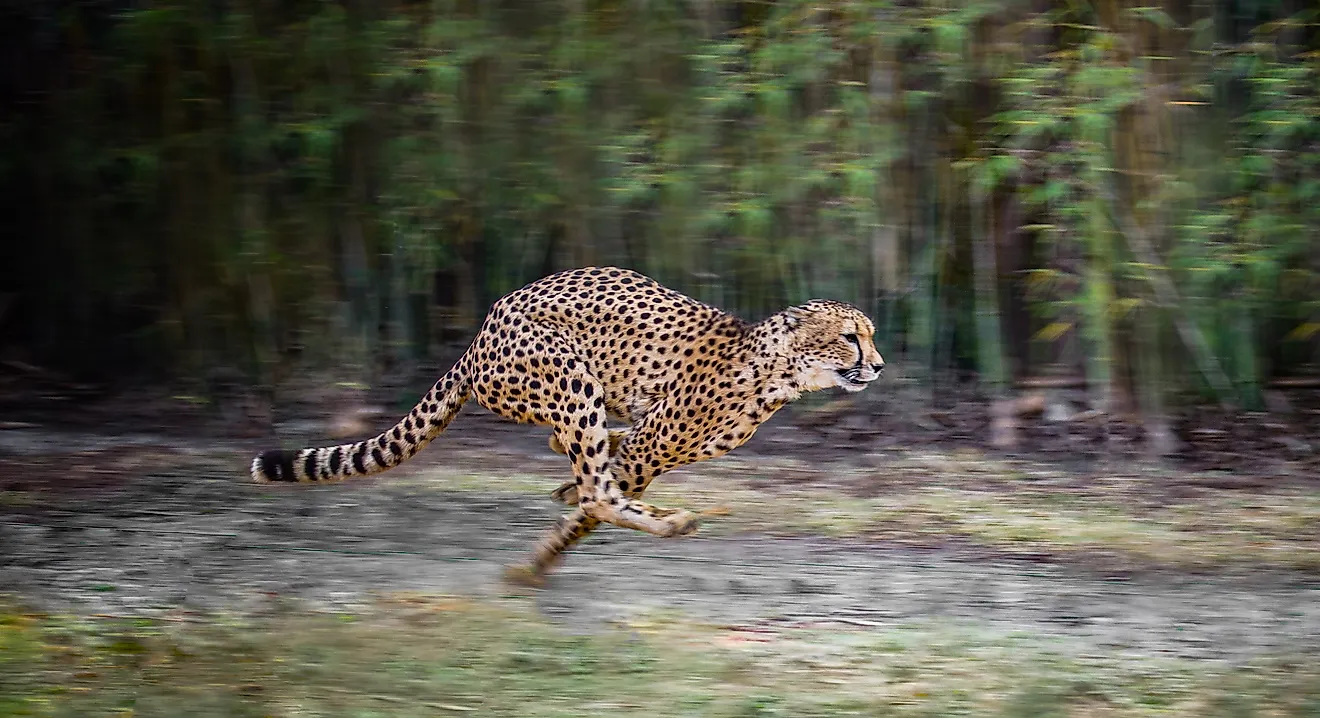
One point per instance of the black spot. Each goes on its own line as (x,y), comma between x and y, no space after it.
(334,460)
(359,457)
(277,465)
(379,458)
(309,465)
(396,449)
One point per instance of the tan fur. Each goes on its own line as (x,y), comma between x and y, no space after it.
(574,348)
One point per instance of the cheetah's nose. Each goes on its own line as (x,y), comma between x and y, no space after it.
(879,368)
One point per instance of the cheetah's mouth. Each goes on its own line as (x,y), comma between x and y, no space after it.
(852,379)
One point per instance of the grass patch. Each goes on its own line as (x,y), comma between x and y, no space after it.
(987,502)
(439,656)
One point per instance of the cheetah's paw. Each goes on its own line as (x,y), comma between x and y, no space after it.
(682,523)
(566,494)
(524,575)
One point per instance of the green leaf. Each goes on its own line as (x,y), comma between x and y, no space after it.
(1303,332)
(1053,331)
(1154,15)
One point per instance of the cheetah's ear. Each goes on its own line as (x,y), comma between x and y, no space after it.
(794,316)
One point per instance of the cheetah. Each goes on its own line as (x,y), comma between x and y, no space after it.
(575,348)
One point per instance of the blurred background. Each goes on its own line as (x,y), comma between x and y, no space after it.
(1088,232)
(1122,197)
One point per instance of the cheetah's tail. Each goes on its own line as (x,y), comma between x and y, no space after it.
(425,422)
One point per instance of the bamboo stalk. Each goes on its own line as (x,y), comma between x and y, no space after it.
(990,347)
(1167,296)
(1098,296)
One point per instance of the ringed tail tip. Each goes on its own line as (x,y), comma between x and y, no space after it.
(274,465)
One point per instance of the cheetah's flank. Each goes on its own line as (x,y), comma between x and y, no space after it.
(573,348)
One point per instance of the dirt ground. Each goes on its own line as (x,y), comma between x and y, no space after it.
(150,525)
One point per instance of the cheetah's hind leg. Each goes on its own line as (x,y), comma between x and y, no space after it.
(568,530)
(567,492)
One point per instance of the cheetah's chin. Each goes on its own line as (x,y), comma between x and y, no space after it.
(851,386)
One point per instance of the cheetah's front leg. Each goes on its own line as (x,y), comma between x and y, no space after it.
(601,494)
(567,492)
(602,497)
(633,463)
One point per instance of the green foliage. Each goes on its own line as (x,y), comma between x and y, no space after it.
(265,184)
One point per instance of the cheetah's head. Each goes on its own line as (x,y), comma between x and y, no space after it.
(834,344)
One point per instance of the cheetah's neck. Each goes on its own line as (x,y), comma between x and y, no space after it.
(771,363)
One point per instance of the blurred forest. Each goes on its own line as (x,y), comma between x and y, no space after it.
(1121,195)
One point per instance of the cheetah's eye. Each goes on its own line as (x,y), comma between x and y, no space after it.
(852,338)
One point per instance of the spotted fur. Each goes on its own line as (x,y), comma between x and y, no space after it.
(572,349)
